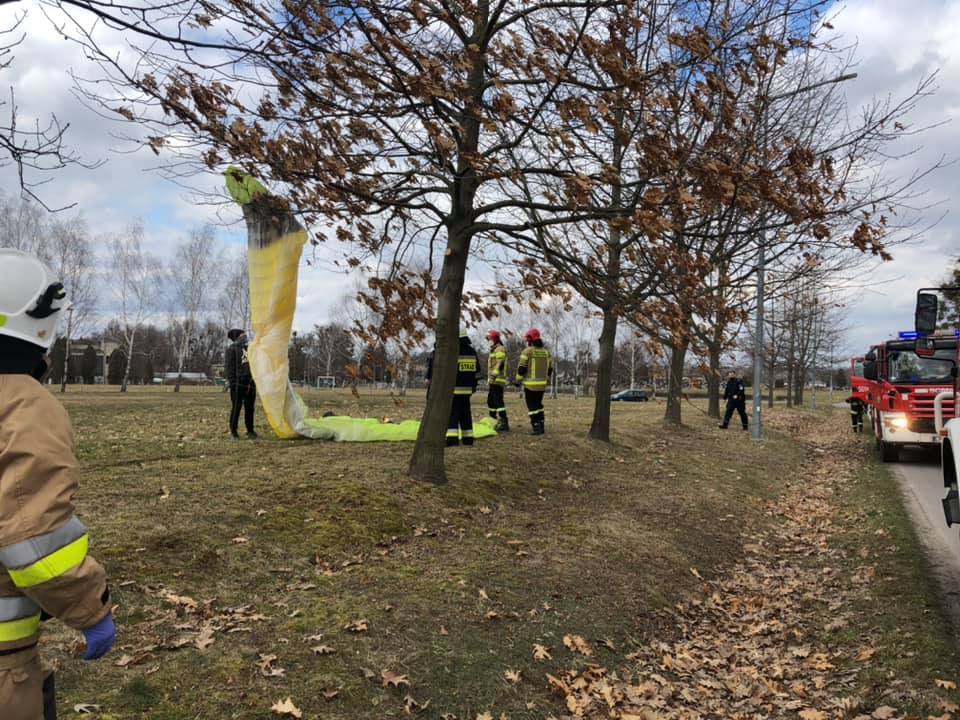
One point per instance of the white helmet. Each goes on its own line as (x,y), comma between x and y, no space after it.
(31,298)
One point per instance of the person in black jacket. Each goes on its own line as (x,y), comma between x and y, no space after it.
(736,396)
(243,391)
(460,427)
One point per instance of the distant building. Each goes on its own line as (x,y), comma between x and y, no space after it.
(78,348)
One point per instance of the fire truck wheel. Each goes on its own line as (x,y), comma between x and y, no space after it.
(889,453)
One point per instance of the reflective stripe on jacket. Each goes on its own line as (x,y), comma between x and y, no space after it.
(43,546)
(468,365)
(498,367)
(534,367)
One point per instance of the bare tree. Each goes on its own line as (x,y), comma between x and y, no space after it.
(134,284)
(72,260)
(233,302)
(191,275)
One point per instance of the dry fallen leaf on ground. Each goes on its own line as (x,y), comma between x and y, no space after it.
(884,712)
(541,653)
(412,707)
(866,653)
(576,643)
(358,626)
(391,679)
(86,708)
(946,684)
(512,676)
(286,707)
(810,714)
(322,650)
(240,540)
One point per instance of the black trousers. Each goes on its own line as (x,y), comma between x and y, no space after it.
(243,396)
(495,402)
(460,427)
(856,419)
(739,406)
(534,400)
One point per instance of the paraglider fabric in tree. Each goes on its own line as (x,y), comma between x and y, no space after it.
(274,244)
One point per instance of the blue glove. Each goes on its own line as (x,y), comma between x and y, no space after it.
(100,638)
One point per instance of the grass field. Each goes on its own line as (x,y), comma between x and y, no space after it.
(246,573)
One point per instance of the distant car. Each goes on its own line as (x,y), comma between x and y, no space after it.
(630,396)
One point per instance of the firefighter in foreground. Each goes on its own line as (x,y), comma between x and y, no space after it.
(736,396)
(533,372)
(44,566)
(498,371)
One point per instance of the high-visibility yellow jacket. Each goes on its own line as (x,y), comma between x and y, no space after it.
(43,546)
(535,367)
(498,366)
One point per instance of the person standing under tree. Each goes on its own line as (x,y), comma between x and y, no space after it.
(736,396)
(533,372)
(45,570)
(498,371)
(243,391)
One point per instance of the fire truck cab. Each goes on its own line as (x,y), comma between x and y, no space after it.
(903,386)
(938,310)
(859,385)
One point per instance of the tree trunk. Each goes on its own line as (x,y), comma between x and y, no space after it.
(66,358)
(678,357)
(600,427)
(426,464)
(713,383)
(771,382)
(798,386)
(129,360)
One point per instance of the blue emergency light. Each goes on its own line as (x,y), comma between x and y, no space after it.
(908,335)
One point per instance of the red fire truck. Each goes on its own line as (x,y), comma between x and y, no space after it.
(904,379)
(938,311)
(859,385)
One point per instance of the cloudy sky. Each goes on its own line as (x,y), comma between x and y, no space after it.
(899,42)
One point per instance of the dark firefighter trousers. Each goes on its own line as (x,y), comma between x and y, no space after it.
(534,399)
(740,406)
(856,418)
(495,402)
(460,427)
(243,396)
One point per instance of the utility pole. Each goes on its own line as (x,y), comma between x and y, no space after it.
(757,430)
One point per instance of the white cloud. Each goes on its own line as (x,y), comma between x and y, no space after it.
(899,42)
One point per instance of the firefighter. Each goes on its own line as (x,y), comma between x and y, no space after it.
(498,370)
(856,413)
(460,427)
(736,396)
(44,565)
(533,372)
(243,391)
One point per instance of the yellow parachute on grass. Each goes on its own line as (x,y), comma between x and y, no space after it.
(275,243)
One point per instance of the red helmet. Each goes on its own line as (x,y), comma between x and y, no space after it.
(493,335)
(532,335)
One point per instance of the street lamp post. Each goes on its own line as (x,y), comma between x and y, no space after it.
(757,430)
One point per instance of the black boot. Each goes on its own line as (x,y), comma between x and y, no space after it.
(453,442)
(503,425)
(538,428)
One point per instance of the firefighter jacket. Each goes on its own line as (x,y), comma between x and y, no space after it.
(735,391)
(236,364)
(535,367)
(44,563)
(498,367)
(468,369)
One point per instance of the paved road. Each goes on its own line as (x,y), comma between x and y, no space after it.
(920,480)
(922,486)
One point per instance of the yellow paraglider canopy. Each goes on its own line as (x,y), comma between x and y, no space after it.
(275,241)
